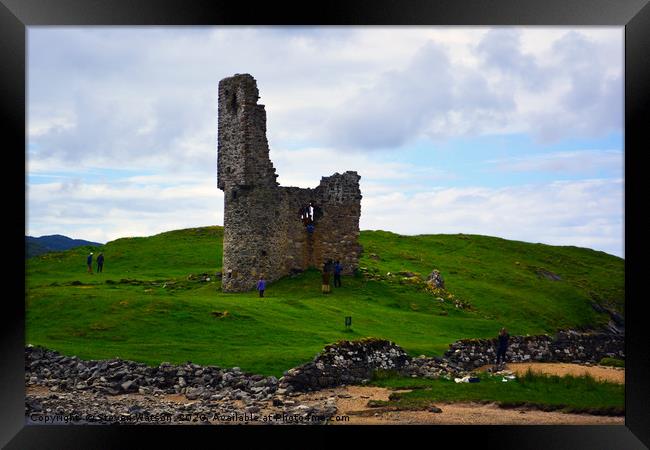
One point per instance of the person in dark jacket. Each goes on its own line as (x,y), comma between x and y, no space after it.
(89,261)
(502,345)
(261,286)
(338,268)
(100,262)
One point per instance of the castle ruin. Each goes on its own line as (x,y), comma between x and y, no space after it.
(266,226)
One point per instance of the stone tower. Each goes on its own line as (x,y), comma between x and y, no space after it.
(263,230)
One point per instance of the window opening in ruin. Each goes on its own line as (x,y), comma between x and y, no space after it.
(263,252)
(233,102)
(234,195)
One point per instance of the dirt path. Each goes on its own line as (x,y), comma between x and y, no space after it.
(352,401)
(602,373)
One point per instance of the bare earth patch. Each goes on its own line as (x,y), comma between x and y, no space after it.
(353,400)
(600,373)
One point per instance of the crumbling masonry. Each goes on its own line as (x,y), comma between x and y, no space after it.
(263,230)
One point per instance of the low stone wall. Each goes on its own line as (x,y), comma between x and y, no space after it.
(345,362)
(116,376)
(565,346)
(433,367)
(342,363)
(83,392)
(570,346)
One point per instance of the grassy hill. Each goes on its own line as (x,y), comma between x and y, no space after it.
(144,307)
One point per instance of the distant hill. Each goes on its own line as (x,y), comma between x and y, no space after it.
(53,243)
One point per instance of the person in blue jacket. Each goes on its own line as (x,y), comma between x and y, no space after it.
(338,268)
(100,262)
(89,261)
(261,286)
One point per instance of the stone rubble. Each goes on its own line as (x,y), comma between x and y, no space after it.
(119,390)
(346,362)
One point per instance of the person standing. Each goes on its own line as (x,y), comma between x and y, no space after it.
(261,286)
(502,345)
(100,262)
(326,282)
(338,268)
(304,215)
(89,261)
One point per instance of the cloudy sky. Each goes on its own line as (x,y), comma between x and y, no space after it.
(514,132)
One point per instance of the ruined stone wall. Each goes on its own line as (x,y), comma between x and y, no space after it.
(345,362)
(263,233)
(565,346)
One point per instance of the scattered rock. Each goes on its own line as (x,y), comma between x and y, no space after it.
(129,385)
(435,280)
(543,273)
(202,277)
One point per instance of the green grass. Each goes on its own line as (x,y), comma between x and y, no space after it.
(582,394)
(613,362)
(144,308)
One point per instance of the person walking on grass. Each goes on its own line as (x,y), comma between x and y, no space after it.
(338,268)
(89,261)
(100,262)
(502,346)
(261,286)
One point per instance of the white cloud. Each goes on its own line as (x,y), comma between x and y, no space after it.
(583,213)
(135,94)
(107,211)
(306,167)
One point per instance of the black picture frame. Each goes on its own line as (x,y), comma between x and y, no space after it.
(634,15)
